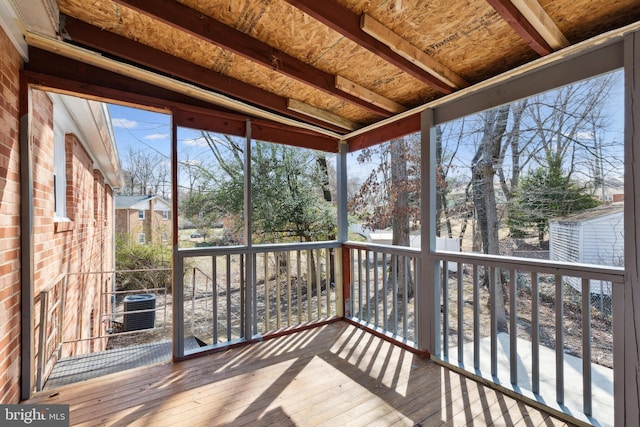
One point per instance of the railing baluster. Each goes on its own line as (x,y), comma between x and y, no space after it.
(228,298)
(254,281)
(318,285)
(214,302)
(513,327)
(535,331)
(359,284)
(559,306)
(288,258)
(375,289)
(277,256)
(368,289)
(328,268)
(309,286)
(415,298)
(476,317)
(394,264)
(385,297)
(267,304)
(586,347)
(493,291)
(352,260)
(460,314)
(445,309)
(243,290)
(193,302)
(405,302)
(299,285)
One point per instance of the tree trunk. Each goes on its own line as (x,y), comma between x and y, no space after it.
(400,214)
(484,196)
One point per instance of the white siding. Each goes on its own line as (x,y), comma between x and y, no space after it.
(564,242)
(603,240)
(595,241)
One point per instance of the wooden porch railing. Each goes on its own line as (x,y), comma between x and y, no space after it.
(239,293)
(501,320)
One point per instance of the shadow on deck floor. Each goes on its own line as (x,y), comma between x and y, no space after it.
(83,367)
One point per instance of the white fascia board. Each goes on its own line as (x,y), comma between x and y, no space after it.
(17,17)
(13,26)
(90,122)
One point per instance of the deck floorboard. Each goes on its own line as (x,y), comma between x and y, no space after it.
(332,375)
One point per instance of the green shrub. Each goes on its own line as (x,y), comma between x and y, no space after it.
(141,267)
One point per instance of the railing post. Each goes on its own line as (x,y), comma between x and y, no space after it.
(178,305)
(346,281)
(339,283)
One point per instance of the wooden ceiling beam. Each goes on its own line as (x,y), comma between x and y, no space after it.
(93,37)
(49,71)
(542,22)
(355,89)
(339,18)
(410,52)
(191,21)
(397,129)
(320,114)
(521,25)
(261,130)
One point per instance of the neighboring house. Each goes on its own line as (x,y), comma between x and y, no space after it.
(592,236)
(145,219)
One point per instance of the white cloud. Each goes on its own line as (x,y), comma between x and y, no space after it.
(585,135)
(154,136)
(124,123)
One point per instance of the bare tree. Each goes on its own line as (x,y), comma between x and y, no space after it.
(558,126)
(144,171)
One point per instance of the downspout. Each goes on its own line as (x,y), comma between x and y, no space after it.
(26,244)
(114,191)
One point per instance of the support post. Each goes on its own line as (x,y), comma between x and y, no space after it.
(626,346)
(177,288)
(428,287)
(343,280)
(249,282)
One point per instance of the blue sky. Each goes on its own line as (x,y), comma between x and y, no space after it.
(150,132)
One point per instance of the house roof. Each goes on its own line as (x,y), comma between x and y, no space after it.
(591,214)
(326,70)
(140,202)
(92,122)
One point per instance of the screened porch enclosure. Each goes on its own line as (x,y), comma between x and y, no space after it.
(276,258)
(257,290)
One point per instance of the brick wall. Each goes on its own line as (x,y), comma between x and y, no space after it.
(70,249)
(10,65)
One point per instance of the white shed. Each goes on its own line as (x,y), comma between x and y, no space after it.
(592,236)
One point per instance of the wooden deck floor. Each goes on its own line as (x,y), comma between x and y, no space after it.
(334,375)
